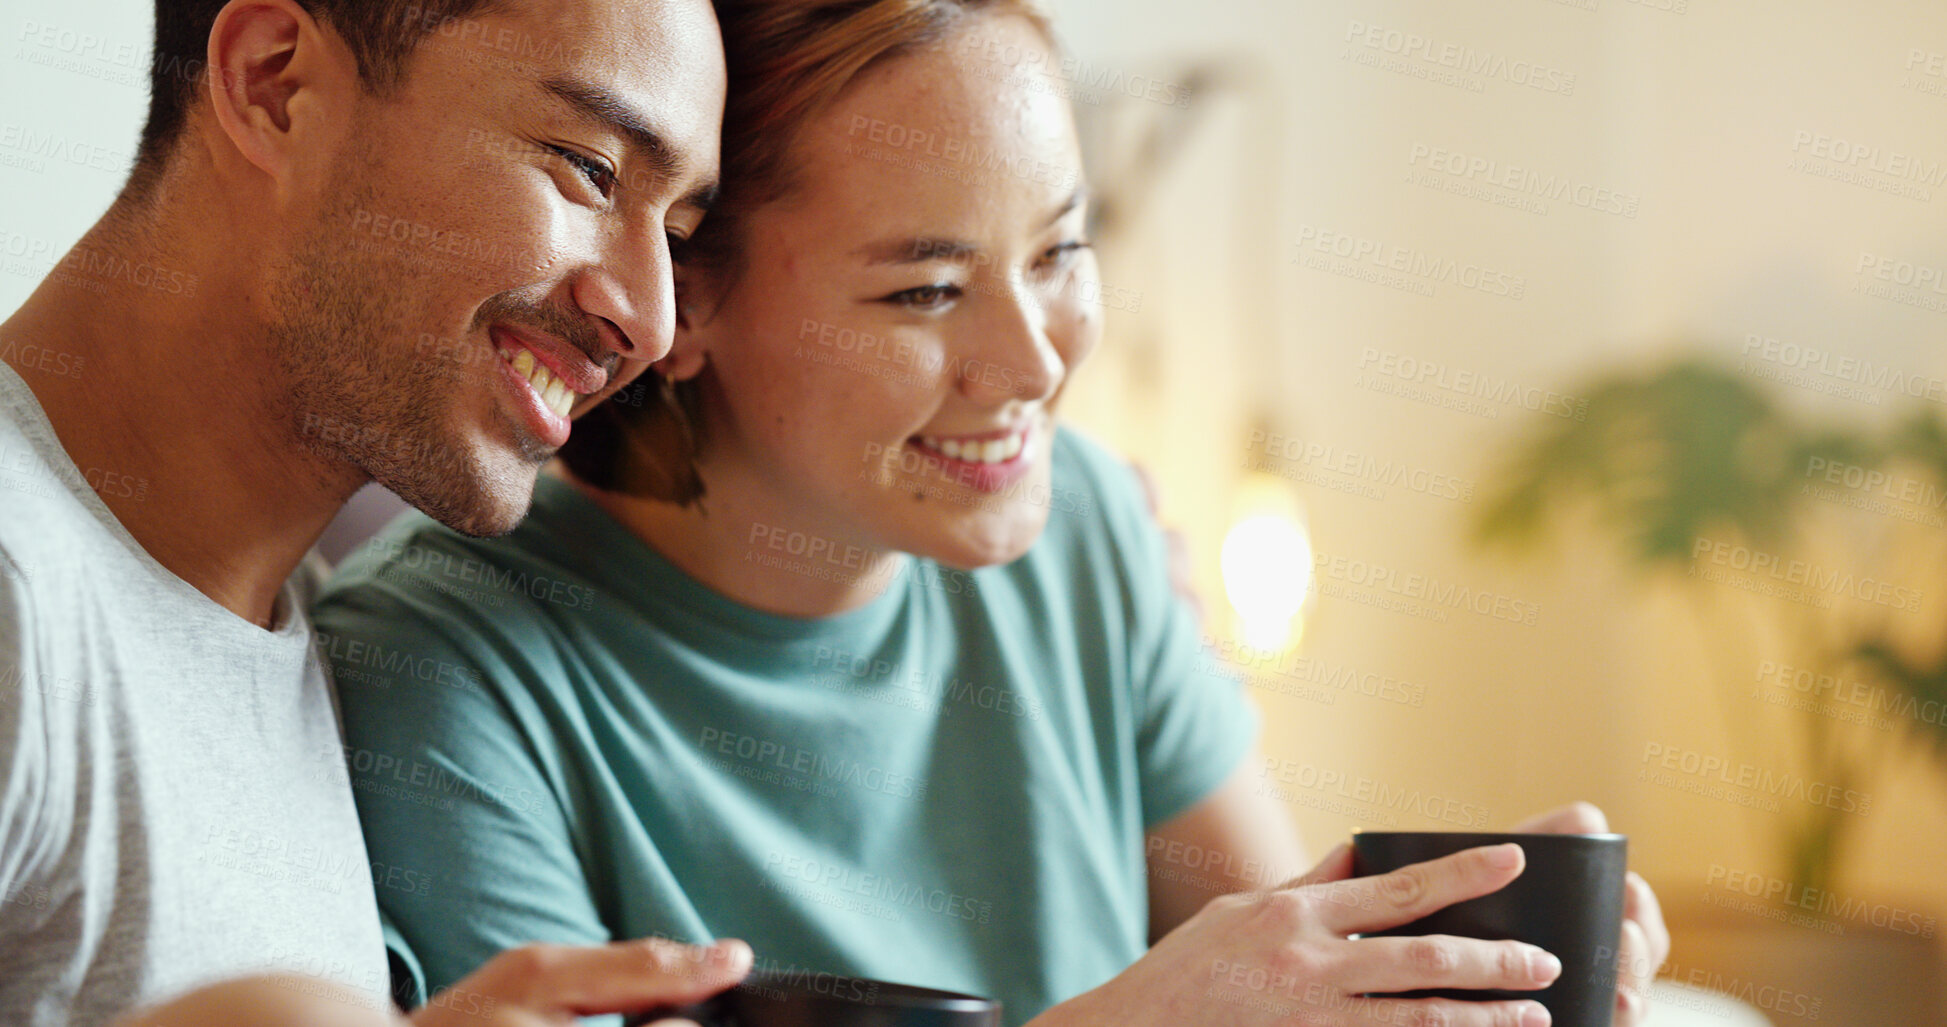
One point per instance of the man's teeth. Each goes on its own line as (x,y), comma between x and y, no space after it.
(976,451)
(554,395)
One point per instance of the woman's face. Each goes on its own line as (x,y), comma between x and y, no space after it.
(883,371)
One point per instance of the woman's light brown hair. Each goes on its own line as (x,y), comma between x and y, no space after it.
(787,61)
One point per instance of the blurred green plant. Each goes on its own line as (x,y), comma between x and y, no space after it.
(1693,453)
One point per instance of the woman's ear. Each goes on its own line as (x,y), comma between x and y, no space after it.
(696,308)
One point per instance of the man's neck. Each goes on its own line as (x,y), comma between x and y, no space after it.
(172,406)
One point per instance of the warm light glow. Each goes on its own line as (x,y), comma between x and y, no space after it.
(1267,564)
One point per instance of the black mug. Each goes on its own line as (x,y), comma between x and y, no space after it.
(1568,900)
(805,999)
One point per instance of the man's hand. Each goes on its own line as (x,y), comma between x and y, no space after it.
(1645,940)
(536,986)
(1284,956)
(553,985)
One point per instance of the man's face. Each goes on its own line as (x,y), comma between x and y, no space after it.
(492,249)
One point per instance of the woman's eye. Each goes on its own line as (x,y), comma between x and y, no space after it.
(598,173)
(926,297)
(1056,256)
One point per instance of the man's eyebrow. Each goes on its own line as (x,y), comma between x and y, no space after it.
(603,109)
(921,249)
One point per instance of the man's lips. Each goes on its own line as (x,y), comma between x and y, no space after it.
(565,363)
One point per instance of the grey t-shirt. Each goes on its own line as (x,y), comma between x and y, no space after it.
(174,806)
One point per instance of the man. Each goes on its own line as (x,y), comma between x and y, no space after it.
(379,240)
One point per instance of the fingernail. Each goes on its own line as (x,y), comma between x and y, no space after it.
(1536,1015)
(1504,857)
(1543,966)
(735,954)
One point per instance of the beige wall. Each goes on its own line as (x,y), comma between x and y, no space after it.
(1694,114)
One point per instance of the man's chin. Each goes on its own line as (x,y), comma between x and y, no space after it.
(482,506)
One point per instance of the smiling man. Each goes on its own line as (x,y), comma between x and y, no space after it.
(364,240)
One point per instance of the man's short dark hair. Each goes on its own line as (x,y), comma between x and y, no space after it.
(382,35)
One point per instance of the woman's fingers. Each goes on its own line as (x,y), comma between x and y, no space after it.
(1574,818)
(1392,1012)
(1442,961)
(1409,893)
(1640,905)
(1634,972)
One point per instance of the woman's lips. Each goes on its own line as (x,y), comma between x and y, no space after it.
(988,462)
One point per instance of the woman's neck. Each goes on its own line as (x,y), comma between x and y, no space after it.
(752,551)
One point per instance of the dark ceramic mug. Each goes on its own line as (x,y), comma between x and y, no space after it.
(1568,900)
(804,999)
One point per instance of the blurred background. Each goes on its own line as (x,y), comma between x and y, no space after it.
(1544,388)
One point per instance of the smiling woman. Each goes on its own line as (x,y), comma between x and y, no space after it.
(885,673)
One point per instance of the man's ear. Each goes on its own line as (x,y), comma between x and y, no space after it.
(281,87)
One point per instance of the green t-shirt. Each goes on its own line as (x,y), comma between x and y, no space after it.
(559,736)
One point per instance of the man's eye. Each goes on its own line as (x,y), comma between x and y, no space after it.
(926,297)
(598,173)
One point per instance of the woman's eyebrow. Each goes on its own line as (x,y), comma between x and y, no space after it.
(920,249)
(916,250)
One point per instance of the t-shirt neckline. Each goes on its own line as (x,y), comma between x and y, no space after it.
(19,403)
(651,581)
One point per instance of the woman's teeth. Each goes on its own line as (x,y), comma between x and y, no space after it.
(977,451)
(554,395)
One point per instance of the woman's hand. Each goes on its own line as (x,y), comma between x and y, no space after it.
(1283,956)
(1645,940)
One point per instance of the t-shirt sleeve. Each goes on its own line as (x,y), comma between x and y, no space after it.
(471,850)
(22,758)
(1194,722)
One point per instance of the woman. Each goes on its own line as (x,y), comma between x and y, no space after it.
(842,646)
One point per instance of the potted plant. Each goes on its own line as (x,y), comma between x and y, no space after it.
(1823,546)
